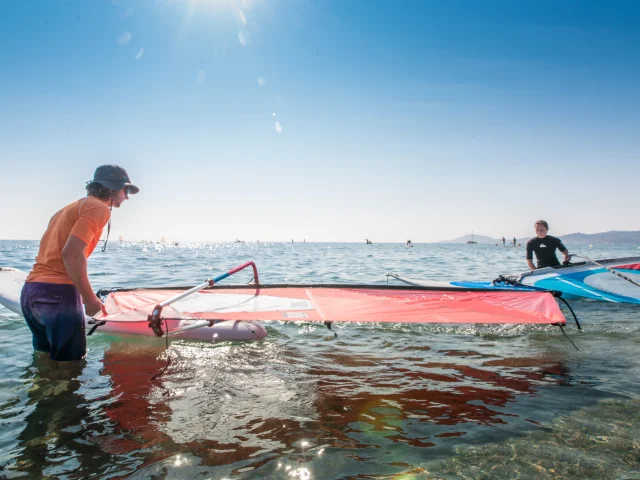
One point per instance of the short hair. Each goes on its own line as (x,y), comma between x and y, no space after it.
(543,223)
(94,189)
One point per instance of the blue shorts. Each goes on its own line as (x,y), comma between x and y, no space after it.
(55,315)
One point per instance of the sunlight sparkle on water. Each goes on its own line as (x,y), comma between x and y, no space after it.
(301,473)
(179,461)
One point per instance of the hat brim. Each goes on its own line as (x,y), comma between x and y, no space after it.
(118,185)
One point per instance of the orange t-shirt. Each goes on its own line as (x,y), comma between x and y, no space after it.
(84,219)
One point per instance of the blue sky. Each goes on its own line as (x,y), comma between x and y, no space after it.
(324,120)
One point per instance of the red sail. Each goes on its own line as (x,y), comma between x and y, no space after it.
(341,303)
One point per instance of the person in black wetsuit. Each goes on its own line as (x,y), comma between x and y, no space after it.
(544,246)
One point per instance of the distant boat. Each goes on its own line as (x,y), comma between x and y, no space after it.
(472,241)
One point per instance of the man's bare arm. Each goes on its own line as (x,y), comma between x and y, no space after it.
(76,264)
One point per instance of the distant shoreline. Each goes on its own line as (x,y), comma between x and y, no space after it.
(480,241)
(612,237)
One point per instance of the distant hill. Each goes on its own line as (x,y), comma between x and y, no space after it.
(614,237)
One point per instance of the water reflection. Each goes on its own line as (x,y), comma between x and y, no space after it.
(137,406)
(294,405)
(259,407)
(57,412)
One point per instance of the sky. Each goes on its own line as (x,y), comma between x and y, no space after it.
(324,120)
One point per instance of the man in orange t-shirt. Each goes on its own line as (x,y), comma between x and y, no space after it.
(58,284)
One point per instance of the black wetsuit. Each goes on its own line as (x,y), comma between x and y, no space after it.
(545,250)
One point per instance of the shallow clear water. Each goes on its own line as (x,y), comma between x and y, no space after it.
(378,401)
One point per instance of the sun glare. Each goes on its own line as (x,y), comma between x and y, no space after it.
(238,7)
(209,4)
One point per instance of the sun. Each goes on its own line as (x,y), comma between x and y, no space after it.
(209,4)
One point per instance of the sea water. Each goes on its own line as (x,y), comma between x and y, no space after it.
(378,401)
